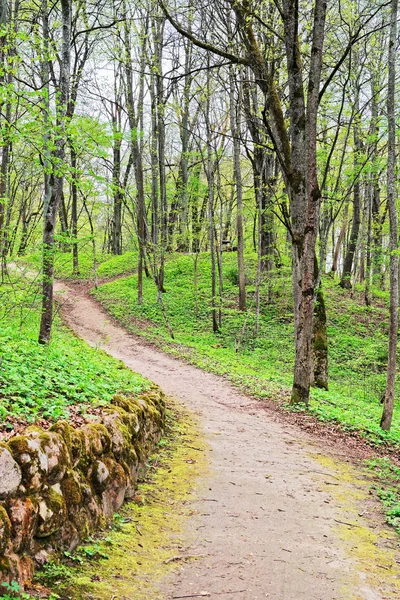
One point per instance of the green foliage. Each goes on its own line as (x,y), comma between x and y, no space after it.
(13,591)
(108,265)
(262,364)
(44,381)
(118,265)
(387,488)
(53,571)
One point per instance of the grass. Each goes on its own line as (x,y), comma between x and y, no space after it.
(108,265)
(13,591)
(262,363)
(43,382)
(387,488)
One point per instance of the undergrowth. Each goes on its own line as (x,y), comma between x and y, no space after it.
(107,265)
(387,487)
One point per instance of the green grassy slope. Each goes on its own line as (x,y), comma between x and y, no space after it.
(107,265)
(262,363)
(43,382)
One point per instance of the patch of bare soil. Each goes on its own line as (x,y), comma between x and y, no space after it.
(282,514)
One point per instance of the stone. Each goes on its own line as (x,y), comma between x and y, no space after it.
(99,475)
(20,568)
(5,530)
(98,437)
(10,474)
(23,514)
(27,452)
(71,438)
(52,513)
(114,494)
(42,557)
(115,430)
(58,458)
(71,489)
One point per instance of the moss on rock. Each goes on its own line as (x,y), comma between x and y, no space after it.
(72,480)
(5,530)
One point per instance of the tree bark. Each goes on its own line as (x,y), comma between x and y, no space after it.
(345,281)
(54,183)
(387,415)
(237,176)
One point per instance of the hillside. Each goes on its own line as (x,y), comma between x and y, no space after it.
(41,384)
(262,364)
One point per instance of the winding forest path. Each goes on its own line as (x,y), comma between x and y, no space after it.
(281,518)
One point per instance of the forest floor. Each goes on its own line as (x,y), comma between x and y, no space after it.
(279,513)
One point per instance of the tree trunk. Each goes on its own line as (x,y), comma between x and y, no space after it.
(54,196)
(345,281)
(306,198)
(74,211)
(116,223)
(237,175)
(161,155)
(210,182)
(320,342)
(387,415)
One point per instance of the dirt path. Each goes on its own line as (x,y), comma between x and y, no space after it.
(277,518)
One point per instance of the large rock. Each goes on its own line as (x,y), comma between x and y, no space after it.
(10,474)
(52,512)
(32,460)
(23,514)
(42,456)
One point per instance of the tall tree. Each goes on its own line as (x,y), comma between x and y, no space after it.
(54,182)
(387,415)
(296,148)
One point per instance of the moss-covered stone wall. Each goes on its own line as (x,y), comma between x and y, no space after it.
(59,485)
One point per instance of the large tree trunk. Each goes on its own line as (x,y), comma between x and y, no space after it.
(54,196)
(237,175)
(305,196)
(210,182)
(387,415)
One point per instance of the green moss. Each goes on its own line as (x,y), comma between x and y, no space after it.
(320,341)
(55,501)
(19,445)
(71,439)
(71,490)
(367,543)
(5,528)
(34,429)
(129,404)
